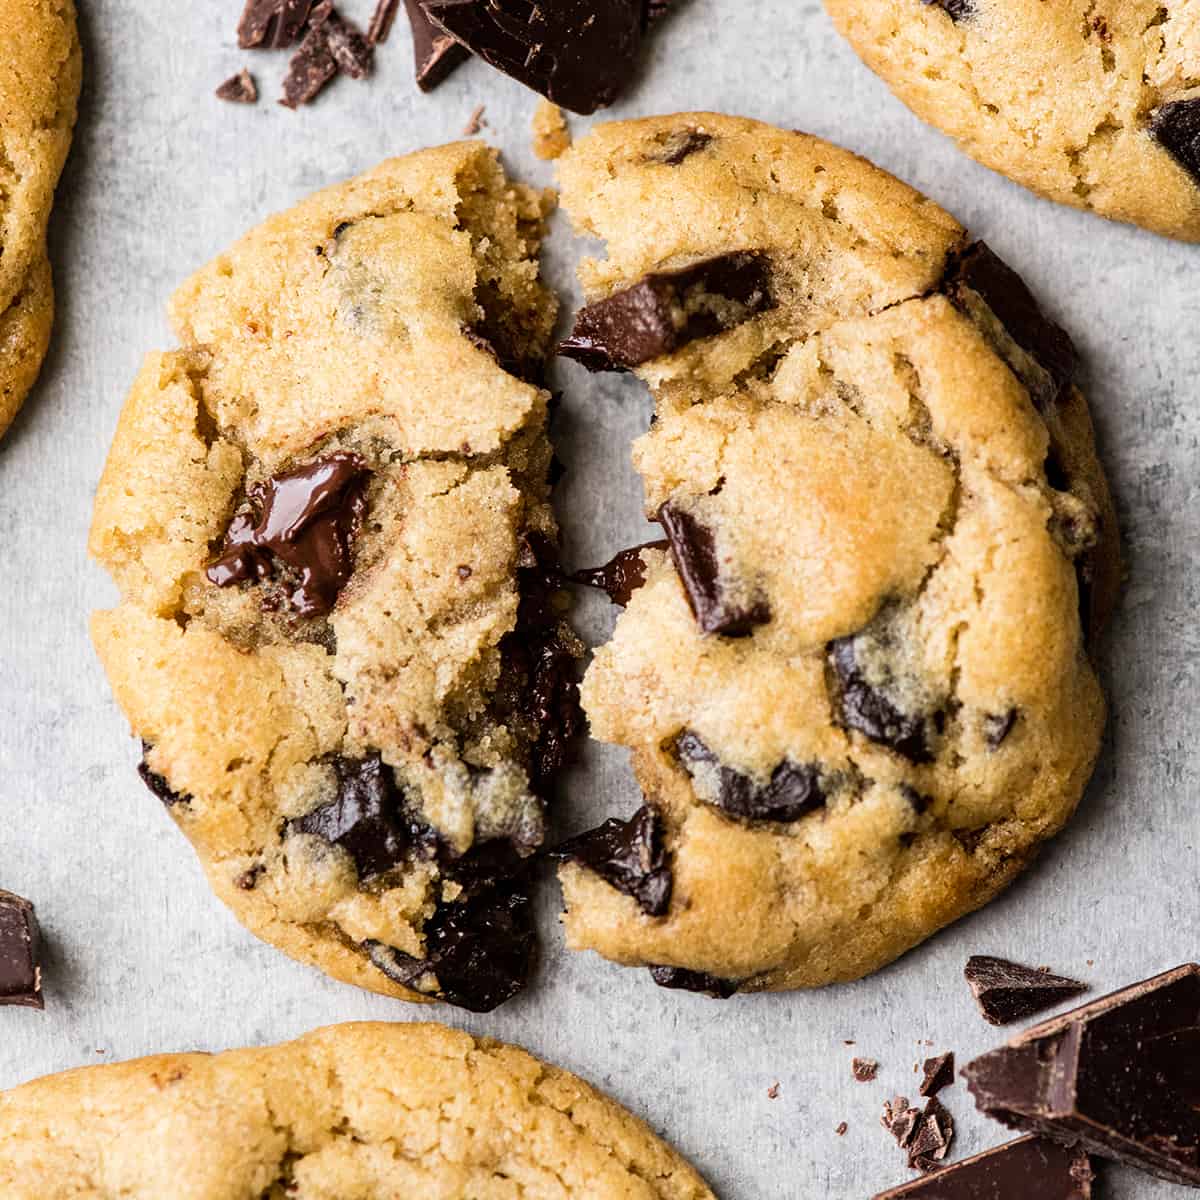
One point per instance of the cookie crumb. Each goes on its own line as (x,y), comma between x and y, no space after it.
(773,1091)
(475,122)
(865,1069)
(239,89)
(551,138)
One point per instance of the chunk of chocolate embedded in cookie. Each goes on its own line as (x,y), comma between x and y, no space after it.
(272,24)
(956,10)
(157,784)
(1176,127)
(680,145)
(630,855)
(622,575)
(668,309)
(679,979)
(997,727)
(20,953)
(791,790)
(1007,992)
(435,53)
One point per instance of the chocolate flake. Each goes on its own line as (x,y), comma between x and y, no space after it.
(628,855)
(694,981)
(667,309)
(864,1069)
(1006,991)
(956,10)
(381,21)
(20,953)
(1022,1170)
(1176,127)
(938,1072)
(1118,1076)
(435,52)
(622,575)
(578,53)
(272,24)
(239,89)
(792,790)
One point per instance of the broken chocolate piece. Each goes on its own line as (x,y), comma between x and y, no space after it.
(997,726)
(622,575)
(1006,991)
(694,551)
(1029,1168)
(157,784)
(938,1072)
(682,144)
(668,309)
(239,89)
(792,790)
(864,1070)
(577,53)
(924,1134)
(272,24)
(305,521)
(435,53)
(694,981)
(1118,1076)
(311,68)
(20,953)
(381,21)
(1176,127)
(988,291)
(956,10)
(629,855)
(351,51)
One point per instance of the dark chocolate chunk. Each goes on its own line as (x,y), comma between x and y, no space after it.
(381,21)
(682,144)
(364,818)
(864,1070)
(435,52)
(630,855)
(577,53)
(1176,127)
(239,89)
(157,784)
(1044,358)
(997,726)
(694,981)
(304,521)
(792,790)
(668,309)
(956,10)
(1031,1168)
(900,1119)
(311,68)
(622,575)
(694,551)
(272,24)
(938,1073)
(20,953)
(1006,991)
(351,51)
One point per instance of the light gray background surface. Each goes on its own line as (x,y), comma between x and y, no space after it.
(144,959)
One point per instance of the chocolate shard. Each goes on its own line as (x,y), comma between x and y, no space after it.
(630,855)
(622,575)
(864,1070)
(1176,127)
(1007,992)
(239,89)
(157,784)
(792,790)
(311,68)
(1029,1168)
(994,296)
(20,953)
(435,52)
(364,818)
(938,1073)
(667,309)
(717,603)
(349,49)
(932,1137)
(956,10)
(1119,1077)
(272,24)
(303,522)
(578,53)
(701,982)
(381,21)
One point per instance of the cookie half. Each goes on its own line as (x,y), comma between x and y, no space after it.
(340,638)
(39,87)
(856,682)
(350,1110)
(1094,105)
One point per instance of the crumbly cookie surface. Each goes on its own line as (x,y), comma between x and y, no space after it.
(339,640)
(855,685)
(39,87)
(1091,104)
(351,1112)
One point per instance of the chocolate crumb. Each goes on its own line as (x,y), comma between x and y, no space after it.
(865,1069)
(841,1129)
(239,89)
(939,1073)
(1006,991)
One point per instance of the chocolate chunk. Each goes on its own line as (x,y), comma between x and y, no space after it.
(668,309)
(629,855)
(792,790)
(864,1070)
(381,21)
(351,51)
(157,784)
(1006,991)
(272,24)
(577,53)
(1118,1076)
(239,89)
(900,1119)
(435,53)
(622,575)
(364,818)
(311,68)
(992,294)
(938,1072)
(956,10)
(716,607)
(997,726)
(694,981)
(656,10)
(924,1135)
(20,953)
(1176,127)
(304,521)
(682,144)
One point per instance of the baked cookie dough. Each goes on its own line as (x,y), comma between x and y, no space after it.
(340,634)
(1095,104)
(351,1112)
(856,684)
(39,87)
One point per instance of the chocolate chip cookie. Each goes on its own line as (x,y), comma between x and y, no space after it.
(1091,104)
(351,1110)
(341,637)
(855,682)
(39,86)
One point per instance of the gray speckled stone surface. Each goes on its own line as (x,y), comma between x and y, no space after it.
(143,958)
